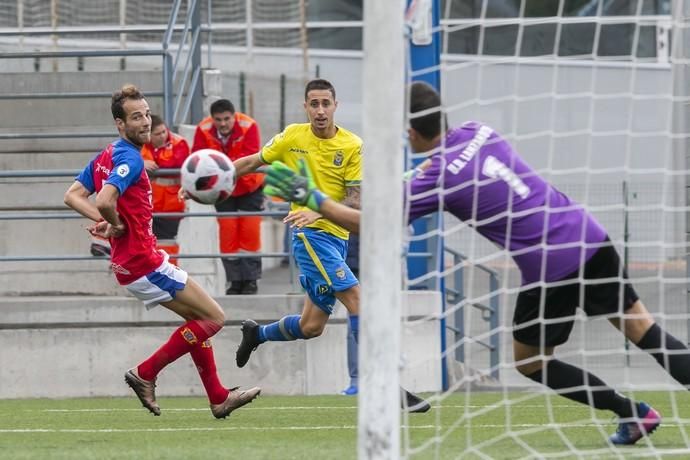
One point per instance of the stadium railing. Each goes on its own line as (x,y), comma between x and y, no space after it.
(180,95)
(455,296)
(31,214)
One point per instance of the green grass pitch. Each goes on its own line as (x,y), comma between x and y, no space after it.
(472,426)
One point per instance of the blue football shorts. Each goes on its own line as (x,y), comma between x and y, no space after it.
(323,271)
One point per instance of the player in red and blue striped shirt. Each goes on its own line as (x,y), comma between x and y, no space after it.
(123,213)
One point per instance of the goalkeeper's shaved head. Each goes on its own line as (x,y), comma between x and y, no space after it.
(424,97)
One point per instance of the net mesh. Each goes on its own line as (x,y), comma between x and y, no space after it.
(584,91)
(60,13)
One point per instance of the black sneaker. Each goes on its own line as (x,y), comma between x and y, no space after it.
(412,403)
(235,288)
(249,287)
(249,343)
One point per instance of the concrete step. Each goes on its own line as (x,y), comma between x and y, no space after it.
(83,277)
(69,113)
(73,82)
(69,144)
(42,193)
(197,235)
(99,338)
(34,160)
(38,192)
(44,237)
(66,115)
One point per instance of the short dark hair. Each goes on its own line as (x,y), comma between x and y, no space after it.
(319,83)
(222,105)
(156,121)
(423,97)
(128,91)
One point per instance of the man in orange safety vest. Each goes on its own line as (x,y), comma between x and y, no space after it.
(166,150)
(236,135)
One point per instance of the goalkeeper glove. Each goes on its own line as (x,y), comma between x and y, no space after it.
(300,188)
(411,174)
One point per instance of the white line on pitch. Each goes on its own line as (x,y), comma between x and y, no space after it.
(288,428)
(191,409)
(173,430)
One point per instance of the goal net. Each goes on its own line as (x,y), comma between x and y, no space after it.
(593,95)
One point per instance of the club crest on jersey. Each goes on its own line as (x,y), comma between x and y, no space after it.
(122,170)
(189,336)
(340,273)
(338,158)
(273,139)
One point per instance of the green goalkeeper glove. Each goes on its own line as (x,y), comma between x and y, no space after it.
(300,188)
(411,174)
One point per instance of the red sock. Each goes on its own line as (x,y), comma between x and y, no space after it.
(182,341)
(206,365)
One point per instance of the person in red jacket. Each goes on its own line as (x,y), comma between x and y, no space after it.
(165,150)
(236,135)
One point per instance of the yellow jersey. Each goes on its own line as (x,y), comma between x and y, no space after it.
(335,163)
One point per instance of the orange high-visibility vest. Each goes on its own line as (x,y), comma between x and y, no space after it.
(171,155)
(243,141)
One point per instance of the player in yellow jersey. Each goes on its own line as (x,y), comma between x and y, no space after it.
(319,246)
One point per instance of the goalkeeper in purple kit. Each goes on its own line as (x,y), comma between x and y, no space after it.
(564,255)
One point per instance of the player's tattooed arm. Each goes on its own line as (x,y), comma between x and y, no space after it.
(352,197)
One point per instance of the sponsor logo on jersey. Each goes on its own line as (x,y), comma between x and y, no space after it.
(189,336)
(338,158)
(322,289)
(206,343)
(122,170)
(119,269)
(103,169)
(298,150)
(340,273)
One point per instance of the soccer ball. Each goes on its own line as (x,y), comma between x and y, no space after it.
(208,176)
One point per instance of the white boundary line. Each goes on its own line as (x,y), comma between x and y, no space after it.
(291,428)
(194,409)
(192,429)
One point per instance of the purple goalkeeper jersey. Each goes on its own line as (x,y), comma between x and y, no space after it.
(486,184)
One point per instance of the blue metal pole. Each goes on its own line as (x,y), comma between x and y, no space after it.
(428,56)
(425,57)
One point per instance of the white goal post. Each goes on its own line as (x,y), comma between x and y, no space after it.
(383,101)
